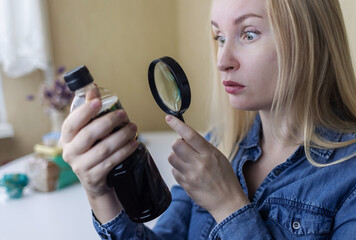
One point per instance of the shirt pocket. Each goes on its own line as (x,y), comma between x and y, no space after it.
(301,222)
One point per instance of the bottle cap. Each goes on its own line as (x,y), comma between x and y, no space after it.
(78,78)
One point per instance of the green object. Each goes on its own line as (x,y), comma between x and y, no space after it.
(66,174)
(14,184)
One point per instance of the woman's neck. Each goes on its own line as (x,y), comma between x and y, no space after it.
(269,140)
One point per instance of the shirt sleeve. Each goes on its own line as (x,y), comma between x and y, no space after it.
(246,223)
(173,224)
(345,219)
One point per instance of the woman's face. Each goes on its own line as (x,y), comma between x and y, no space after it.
(246,57)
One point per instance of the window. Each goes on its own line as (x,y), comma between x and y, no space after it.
(6,129)
(24,45)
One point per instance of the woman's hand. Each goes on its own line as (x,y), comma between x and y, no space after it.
(204,172)
(92,160)
(92,149)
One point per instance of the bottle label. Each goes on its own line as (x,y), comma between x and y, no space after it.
(109,104)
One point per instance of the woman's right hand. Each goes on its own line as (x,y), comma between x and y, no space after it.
(92,160)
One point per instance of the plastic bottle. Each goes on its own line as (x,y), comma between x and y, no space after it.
(136,181)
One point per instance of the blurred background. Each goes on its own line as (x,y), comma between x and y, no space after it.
(117,40)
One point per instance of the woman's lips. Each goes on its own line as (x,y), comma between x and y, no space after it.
(233,87)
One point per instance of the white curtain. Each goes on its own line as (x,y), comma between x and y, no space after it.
(24,39)
(24,45)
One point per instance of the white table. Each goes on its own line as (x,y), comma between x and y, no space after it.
(65,214)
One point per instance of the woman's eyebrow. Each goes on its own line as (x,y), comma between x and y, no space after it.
(239,19)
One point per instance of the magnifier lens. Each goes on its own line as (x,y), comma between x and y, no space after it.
(167,87)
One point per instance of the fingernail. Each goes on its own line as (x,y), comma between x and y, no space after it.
(168,118)
(121,115)
(95,103)
(133,127)
(134,143)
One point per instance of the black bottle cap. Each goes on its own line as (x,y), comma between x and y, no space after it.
(78,78)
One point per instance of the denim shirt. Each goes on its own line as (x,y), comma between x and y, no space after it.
(295,201)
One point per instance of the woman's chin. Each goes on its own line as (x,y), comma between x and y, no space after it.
(246,105)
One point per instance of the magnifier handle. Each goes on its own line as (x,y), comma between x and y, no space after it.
(180,117)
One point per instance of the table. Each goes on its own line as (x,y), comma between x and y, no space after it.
(65,214)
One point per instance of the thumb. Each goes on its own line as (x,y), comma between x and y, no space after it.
(92,93)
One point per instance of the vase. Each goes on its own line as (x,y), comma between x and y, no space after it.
(57,118)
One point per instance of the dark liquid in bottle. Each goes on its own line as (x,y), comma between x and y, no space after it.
(140,187)
(137,182)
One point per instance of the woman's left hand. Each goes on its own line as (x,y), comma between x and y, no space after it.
(204,172)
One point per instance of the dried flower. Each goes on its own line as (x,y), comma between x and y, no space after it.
(57,95)
(30,97)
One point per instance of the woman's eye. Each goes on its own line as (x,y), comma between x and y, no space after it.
(250,35)
(221,40)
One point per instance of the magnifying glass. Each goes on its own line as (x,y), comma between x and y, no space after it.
(169,86)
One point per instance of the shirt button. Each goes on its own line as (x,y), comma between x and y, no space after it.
(103,236)
(296,225)
(277,172)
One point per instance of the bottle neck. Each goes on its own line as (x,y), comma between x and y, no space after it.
(79,96)
(82,91)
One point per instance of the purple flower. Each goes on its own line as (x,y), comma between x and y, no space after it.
(48,93)
(30,97)
(57,95)
(61,69)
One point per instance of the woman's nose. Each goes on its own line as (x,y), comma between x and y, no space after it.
(227,59)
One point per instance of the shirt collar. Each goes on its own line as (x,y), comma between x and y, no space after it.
(328,135)
(253,136)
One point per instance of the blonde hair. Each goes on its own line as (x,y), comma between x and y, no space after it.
(316,81)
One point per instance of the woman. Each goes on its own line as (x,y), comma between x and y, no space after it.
(284,159)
